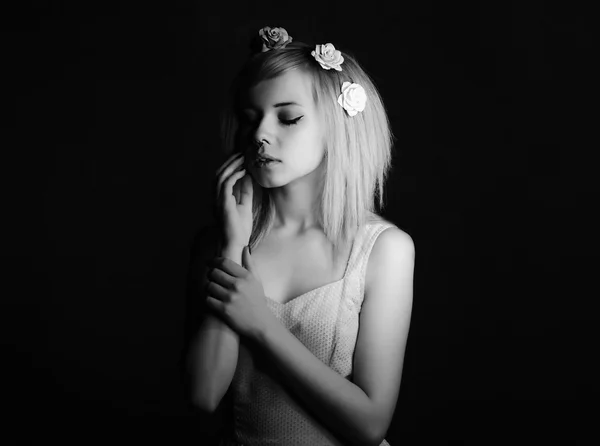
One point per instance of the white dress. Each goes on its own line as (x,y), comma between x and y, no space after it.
(326,321)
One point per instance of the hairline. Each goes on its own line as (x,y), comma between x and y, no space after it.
(312,87)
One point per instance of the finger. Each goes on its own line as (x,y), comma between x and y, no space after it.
(227,176)
(229,266)
(217,292)
(222,194)
(246,192)
(227,163)
(231,163)
(215,305)
(219,188)
(221,278)
(228,186)
(229,167)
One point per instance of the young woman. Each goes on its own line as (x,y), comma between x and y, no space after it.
(308,303)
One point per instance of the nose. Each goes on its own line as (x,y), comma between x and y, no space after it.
(263,133)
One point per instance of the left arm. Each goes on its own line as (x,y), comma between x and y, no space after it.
(360,411)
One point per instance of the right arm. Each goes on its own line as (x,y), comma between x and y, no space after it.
(213,354)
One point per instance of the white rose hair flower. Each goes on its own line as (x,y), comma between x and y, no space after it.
(274,38)
(328,57)
(353,98)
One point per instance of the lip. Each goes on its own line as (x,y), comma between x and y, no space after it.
(258,162)
(265,157)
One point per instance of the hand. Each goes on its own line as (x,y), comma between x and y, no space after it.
(233,205)
(236,294)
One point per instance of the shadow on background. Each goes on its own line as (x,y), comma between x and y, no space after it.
(110,152)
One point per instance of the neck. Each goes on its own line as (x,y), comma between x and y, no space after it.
(297,204)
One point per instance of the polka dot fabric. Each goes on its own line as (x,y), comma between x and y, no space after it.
(325,320)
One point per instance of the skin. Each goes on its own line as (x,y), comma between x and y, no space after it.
(360,410)
(291,133)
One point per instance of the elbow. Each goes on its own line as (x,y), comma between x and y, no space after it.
(197,398)
(200,399)
(370,440)
(373,439)
(375,434)
(208,403)
(376,440)
(204,405)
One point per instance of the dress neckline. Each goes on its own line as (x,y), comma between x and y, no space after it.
(345,275)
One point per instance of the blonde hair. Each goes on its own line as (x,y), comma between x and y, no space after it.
(358,148)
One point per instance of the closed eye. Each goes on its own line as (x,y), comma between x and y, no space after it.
(291,121)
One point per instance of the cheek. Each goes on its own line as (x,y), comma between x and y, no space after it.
(307,161)
(314,138)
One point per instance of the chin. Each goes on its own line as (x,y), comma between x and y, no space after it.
(268,183)
(266,179)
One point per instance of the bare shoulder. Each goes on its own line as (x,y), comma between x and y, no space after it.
(396,236)
(393,248)
(384,324)
(391,238)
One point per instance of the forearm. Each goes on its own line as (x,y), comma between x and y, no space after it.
(214,353)
(340,405)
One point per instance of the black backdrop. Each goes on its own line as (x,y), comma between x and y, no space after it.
(110,147)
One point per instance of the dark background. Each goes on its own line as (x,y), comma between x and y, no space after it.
(110,147)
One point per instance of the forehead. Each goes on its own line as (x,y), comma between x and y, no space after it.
(292,86)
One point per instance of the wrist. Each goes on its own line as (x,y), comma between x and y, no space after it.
(232,252)
(270,331)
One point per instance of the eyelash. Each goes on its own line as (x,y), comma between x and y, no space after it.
(285,122)
(292,121)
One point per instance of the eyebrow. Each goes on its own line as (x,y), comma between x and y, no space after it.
(283,104)
(279,104)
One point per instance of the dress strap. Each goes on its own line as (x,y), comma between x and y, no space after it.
(361,251)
